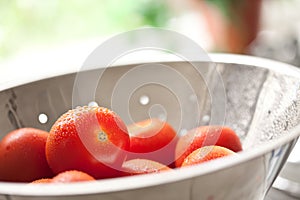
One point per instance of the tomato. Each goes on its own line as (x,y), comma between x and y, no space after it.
(206,136)
(89,139)
(152,139)
(22,156)
(42,180)
(66,177)
(143,166)
(71,176)
(205,154)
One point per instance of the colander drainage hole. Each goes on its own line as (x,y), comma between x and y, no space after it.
(206,118)
(144,100)
(93,103)
(43,118)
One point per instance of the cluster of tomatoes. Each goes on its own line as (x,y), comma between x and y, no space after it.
(89,143)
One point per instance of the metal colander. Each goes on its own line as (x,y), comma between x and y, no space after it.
(258,98)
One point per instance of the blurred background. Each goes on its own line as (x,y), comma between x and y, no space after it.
(31,29)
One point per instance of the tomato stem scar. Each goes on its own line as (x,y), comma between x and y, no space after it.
(102,136)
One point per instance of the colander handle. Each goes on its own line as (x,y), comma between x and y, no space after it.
(289,178)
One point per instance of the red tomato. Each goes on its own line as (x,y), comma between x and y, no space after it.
(154,140)
(89,139)
(205,154)
(143,166)
(22,156)
(206,136)
(41,181)
(71,176)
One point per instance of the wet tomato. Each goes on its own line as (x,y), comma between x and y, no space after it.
(152,139)
(93,140)
(22,156)
(42,180)
(143,166)
(72,176)
(206,136)
(205,154)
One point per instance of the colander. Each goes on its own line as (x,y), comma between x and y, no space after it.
(258,98)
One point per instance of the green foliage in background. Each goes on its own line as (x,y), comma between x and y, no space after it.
(225,6)
(26,23)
